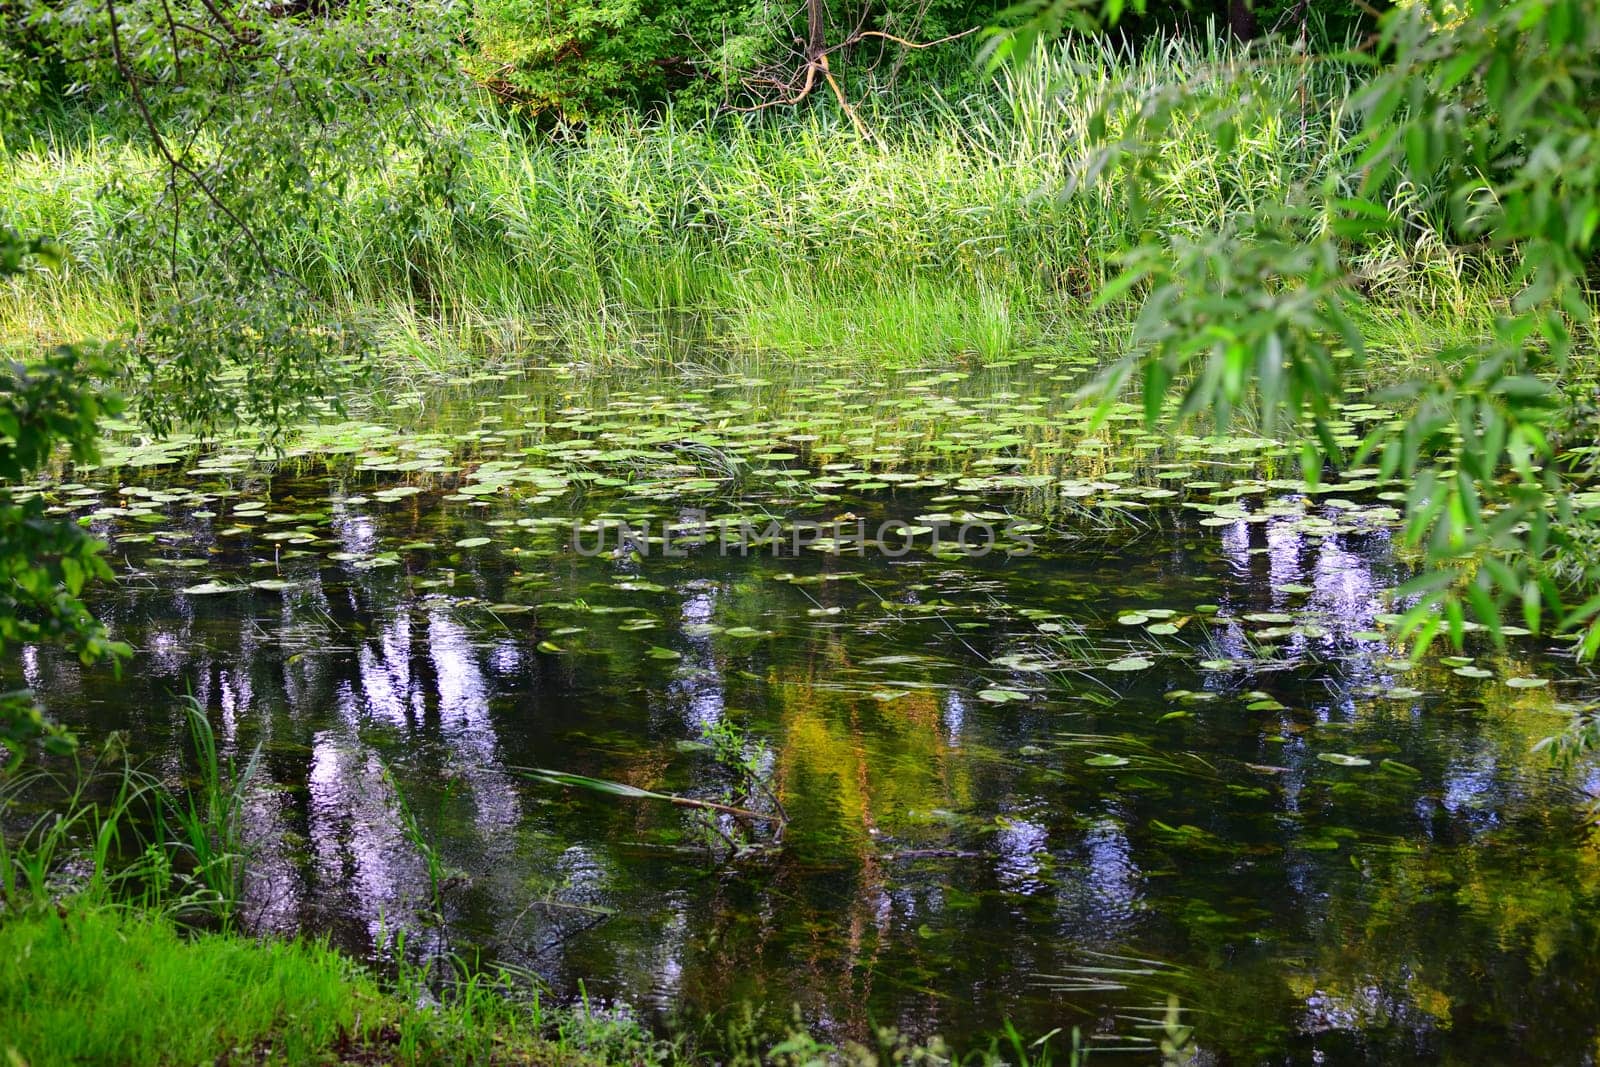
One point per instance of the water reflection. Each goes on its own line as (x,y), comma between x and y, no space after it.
(945,850)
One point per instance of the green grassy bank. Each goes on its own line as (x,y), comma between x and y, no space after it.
(945,234)
(86,984)
(119,944)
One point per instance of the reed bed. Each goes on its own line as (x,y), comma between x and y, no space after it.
(946,234)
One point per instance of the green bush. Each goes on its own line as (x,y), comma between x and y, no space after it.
(574,61)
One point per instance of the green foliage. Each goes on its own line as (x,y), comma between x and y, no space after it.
(208,819)
(779,232)
(44,563)
(113,833)
(1476,123)
(88,982)
(86,812)
(574,61)
(257,123)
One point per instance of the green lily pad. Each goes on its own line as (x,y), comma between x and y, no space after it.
(213,588)
(274,585)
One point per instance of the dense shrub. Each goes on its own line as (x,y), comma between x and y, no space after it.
(571,62)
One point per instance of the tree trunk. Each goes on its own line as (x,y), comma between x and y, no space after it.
(816,28)
(1242,20)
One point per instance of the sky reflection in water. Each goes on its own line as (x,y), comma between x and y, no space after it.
(951,861)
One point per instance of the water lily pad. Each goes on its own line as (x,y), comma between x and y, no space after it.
(1277,617)
(1339,759)
(274,585)
(213,588)
(1130,663)
(1527,683)
(1106,759)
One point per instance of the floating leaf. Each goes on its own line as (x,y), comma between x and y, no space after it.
(213,588)
(1403,770)
(274,585)
(1106,759)
(1277,617)
(1339,759)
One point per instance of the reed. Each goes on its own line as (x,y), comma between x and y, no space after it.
(946,236)
(206,818)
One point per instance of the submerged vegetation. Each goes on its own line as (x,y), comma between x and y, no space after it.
(688,539)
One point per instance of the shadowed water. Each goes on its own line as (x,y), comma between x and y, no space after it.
(1050,786)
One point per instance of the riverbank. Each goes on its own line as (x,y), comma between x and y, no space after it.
(947,234)
(99,984)
(95,983)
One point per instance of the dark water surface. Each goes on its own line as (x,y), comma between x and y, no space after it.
(1010,798)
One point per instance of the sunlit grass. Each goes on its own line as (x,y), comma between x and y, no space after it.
(96,984)
(785,233)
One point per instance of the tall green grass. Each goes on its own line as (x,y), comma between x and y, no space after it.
(110,831)
(785,233)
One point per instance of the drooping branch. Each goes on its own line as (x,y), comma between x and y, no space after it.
(176,164)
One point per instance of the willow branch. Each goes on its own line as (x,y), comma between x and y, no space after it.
(132,79)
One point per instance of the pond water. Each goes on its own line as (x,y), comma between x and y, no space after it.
(1155,742)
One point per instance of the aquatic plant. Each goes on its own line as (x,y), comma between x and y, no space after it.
(207,818)
(411,829)
(76,844)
